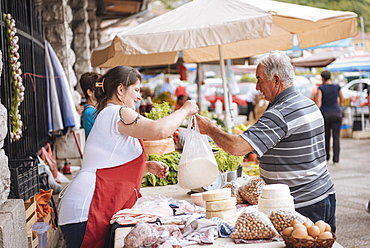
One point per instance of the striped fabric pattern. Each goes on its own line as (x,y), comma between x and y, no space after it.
(290,140)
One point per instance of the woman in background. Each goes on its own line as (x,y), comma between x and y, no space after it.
(87,83)
(329,99)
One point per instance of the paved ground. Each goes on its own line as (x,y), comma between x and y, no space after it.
(352,182)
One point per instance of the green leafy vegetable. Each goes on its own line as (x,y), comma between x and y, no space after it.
(226,161)
(159,110)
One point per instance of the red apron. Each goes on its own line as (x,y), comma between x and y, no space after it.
(116,188)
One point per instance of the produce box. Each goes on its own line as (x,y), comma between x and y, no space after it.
(31,218)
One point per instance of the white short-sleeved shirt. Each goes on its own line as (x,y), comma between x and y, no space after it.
(105,147)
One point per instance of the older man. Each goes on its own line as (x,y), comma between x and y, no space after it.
(288,138)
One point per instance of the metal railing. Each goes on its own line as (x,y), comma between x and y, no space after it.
(33,109)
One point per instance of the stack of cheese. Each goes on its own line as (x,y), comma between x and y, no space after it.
(219,203)
(275,197)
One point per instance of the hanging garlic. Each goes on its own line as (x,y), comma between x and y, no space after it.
(16,79)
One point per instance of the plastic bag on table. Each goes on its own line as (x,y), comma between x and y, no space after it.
(283,218)
(252,190)
(148,201)
(253,224)
(234,185)
(152,235)
(198,166)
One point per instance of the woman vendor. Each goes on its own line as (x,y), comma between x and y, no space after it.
(114,159)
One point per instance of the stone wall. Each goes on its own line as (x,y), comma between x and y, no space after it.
(4,169)
(12,212)
(57,17)
(81,40)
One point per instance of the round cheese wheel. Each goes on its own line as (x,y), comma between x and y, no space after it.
(275,191)
(217,194)
(221,205)
(286,202)
(224,214)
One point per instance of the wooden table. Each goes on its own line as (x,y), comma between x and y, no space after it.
(178,193)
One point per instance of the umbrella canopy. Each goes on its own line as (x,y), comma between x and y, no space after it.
(200,23)
(242,27)
(351,63)
(318,60)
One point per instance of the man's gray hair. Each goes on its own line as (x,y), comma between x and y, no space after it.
(278,63)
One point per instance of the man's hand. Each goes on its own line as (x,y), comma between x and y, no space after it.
(204,124)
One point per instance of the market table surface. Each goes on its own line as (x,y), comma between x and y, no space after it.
(178,193)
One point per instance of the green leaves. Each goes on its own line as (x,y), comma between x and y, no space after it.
(159,110)
(226,161)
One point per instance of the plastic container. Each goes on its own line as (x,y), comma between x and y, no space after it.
(197,199)
(41,228)
(159,147)
(218,107)
(24,177)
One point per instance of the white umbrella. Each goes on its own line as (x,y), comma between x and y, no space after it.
(200,23)
(198,27)
(214,30)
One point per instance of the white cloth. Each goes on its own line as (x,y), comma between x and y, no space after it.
(201,231)
(105,147)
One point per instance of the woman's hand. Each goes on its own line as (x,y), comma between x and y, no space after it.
(190,107)
(157,168)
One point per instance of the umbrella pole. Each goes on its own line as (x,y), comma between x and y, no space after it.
(228,121)
(361,107)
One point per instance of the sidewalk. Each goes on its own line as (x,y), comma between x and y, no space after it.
(352,183)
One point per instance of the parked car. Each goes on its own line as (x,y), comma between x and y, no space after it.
(352,89)
(238,98)
(305,86)
(192,91)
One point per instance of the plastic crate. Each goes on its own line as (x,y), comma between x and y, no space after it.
(24,178)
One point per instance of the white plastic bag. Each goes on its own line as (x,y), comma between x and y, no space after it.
(198,166)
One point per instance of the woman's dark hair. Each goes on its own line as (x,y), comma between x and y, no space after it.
(87,82)
(109,82)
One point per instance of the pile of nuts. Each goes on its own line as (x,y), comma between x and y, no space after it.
(252,190)
(234,186)
(309,230)
(282,219)
(253,225)
(235,191)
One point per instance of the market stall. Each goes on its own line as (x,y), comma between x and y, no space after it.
(174,191)
(191,207)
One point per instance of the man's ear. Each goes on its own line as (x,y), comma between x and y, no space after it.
(276,79)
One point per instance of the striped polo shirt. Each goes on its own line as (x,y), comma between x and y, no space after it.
(290,140)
